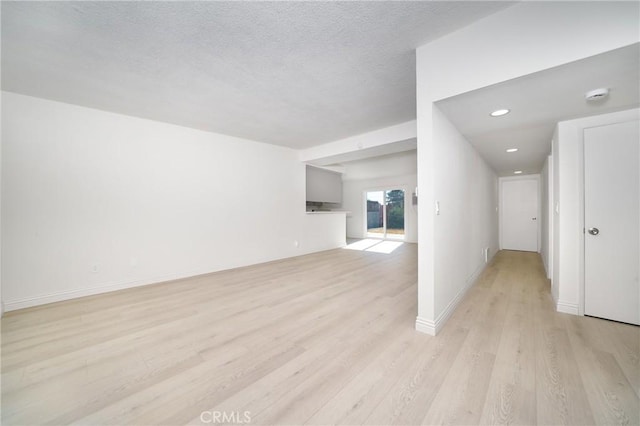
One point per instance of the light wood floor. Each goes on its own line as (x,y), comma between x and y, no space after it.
(322,339)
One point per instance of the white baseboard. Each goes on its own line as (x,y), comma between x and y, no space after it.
(432,328)
(44,299)
(567,308)
(451,307)
(425,326)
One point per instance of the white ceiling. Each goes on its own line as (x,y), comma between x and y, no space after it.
(537,102)
(289,73)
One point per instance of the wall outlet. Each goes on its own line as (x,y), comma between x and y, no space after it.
(94,268)
(133,262)
(296,243)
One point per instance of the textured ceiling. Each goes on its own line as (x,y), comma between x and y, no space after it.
(289,73)
(537,102)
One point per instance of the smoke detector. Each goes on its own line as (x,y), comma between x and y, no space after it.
(596,94)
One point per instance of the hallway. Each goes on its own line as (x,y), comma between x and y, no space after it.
(530,364)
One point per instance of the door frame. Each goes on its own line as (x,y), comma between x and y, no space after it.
(364,209)
(501,180)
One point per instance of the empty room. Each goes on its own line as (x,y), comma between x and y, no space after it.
(320,212)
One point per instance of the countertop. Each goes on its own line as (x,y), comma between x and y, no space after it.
(328,212)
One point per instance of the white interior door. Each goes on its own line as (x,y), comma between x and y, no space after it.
(612,222)
(519,214)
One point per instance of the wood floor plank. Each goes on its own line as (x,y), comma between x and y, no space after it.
(560,394)
(461,397)
(355,401)
(610,393)
(302,402)
(408,400)
(326,338)
(621,340)
(511,396)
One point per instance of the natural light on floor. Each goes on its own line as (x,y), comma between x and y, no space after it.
(376,246)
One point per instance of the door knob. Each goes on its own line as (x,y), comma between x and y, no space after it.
(594,231)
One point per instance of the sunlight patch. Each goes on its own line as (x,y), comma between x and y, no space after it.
(385,247)
(376,246)
(362,244)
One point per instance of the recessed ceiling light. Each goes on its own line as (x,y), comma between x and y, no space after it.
(517,172)
(500,112)
(511,149)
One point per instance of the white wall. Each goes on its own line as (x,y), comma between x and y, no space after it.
(1,139)
(354,202)
(141,201)
(468,220)
(366,141)
(568,153)
(541,35)
(544,214)
(394,171)
(555,223)
(398,164)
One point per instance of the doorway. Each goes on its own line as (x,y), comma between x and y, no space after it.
(612,222)
(385,214)
(519,213)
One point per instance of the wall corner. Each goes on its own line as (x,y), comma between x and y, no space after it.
(425,326)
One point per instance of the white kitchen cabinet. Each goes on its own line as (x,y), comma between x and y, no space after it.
(323,185)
